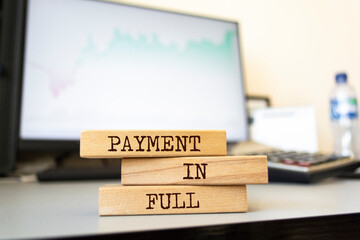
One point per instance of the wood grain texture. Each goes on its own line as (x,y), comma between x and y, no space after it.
(224,170)
(152,143)
(145,200)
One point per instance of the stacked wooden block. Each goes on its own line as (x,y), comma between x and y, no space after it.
(173,172)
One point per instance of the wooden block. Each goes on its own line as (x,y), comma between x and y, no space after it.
(224,170)
(152,143)
(144,200)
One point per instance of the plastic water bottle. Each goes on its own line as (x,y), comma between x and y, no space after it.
(344,117)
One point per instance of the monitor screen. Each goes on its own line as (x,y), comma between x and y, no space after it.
(101,65)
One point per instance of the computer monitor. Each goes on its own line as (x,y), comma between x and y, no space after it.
(102,65)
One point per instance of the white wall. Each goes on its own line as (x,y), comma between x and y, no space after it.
(291,48)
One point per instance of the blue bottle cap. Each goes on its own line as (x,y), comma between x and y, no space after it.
(341,78)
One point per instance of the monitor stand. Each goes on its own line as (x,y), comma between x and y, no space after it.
(70,167)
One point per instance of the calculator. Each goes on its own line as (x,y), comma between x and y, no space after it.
(301,167)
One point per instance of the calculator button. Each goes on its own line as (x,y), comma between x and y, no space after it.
(288,161)
(304,164)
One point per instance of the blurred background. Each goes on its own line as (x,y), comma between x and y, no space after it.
(291,49)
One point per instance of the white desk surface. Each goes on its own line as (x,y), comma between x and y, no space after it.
(34,210)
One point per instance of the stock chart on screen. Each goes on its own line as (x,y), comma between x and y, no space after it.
(90,65)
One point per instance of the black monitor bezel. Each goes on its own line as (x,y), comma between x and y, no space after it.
(51,145)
